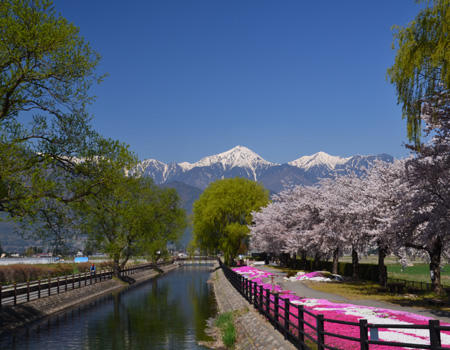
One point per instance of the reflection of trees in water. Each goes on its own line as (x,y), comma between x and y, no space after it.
(204,305)
(144,323)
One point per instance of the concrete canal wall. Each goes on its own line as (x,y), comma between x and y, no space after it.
(12,317)
(253,331)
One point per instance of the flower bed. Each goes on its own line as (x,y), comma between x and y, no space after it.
(316,276)
(350,313)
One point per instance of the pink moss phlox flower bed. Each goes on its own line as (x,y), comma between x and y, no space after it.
(350,313)
(318,276)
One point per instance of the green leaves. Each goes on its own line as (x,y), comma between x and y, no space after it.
(46,70)
(132,216)
(223,211)
(421,72)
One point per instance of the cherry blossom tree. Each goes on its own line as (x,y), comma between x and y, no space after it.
(425,212)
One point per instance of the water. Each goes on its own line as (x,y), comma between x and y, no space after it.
(169,312)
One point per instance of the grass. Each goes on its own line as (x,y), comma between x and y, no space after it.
(371,290)
(226,325)
(418,272)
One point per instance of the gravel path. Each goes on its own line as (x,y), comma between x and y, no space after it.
(302,290)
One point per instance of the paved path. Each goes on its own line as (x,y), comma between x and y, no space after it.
(302,290)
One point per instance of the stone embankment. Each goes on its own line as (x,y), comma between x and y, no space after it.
(12,317)
(253,330)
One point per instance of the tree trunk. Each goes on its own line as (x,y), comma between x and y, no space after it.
(355,264)
(303,260)
(335,261)
(116,268)
(435,269)
(382,272)
(293,261)
(317,261)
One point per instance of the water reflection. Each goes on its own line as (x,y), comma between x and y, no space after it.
(165,313)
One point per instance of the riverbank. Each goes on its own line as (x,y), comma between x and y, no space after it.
(254,332)
(12,317)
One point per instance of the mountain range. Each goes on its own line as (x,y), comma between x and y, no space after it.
(242,162)
(190,179)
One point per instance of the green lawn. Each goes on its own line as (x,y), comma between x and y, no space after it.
(419,272)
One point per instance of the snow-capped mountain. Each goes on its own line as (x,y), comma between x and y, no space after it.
(237,157)
(319,159)
(240,161)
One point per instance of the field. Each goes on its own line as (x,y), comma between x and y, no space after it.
(420,270)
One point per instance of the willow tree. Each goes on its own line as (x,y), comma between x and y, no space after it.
(132,216)
(223,212)
(421,72)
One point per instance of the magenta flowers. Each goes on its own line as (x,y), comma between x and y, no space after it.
(349,313)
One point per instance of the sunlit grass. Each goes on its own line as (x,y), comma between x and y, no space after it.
(419,271)
(226,325)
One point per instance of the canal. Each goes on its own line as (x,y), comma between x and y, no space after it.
(168,312)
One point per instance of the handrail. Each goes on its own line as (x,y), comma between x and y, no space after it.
(24,292)
(268,304)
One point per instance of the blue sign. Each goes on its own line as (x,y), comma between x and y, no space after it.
(81,259)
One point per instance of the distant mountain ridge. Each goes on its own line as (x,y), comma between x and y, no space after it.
(240,161)
(190,179)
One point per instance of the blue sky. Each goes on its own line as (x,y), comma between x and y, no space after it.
(190,78)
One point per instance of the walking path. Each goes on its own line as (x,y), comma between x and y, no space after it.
(302,290)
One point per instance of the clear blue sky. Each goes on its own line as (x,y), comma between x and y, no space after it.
(190,78)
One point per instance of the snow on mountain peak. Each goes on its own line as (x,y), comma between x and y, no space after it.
(319,158)
(153,162)
(238,156)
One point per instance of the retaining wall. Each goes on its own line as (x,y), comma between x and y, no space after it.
(253,331)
